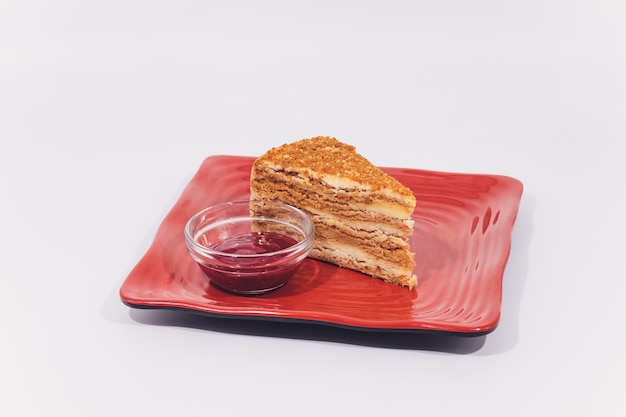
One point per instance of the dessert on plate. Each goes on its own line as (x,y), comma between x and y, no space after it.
(362,215)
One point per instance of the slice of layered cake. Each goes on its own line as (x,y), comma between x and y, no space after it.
(362,215)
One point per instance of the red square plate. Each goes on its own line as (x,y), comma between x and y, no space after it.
(462,239)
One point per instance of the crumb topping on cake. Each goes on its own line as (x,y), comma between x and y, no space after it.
(334,161)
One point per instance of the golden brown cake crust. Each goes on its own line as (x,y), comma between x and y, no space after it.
(328,156)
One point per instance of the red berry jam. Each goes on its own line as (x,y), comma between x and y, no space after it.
(254,243)
(249,274)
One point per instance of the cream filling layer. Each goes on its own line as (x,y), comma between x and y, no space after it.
(371,205)
(354,258)
(374,231)
(388,203)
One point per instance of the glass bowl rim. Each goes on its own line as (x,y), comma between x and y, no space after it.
(297,248)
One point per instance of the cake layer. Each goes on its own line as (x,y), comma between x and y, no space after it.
(348,256)
(374,233)
(357,217)
(369,206)
(378,201)
(373,242)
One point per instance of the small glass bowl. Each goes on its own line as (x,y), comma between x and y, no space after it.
(249,247)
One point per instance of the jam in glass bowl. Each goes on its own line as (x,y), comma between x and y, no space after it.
(249,247)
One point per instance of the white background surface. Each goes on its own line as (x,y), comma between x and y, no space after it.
(107,108)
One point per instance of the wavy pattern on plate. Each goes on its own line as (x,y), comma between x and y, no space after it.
(462,239)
